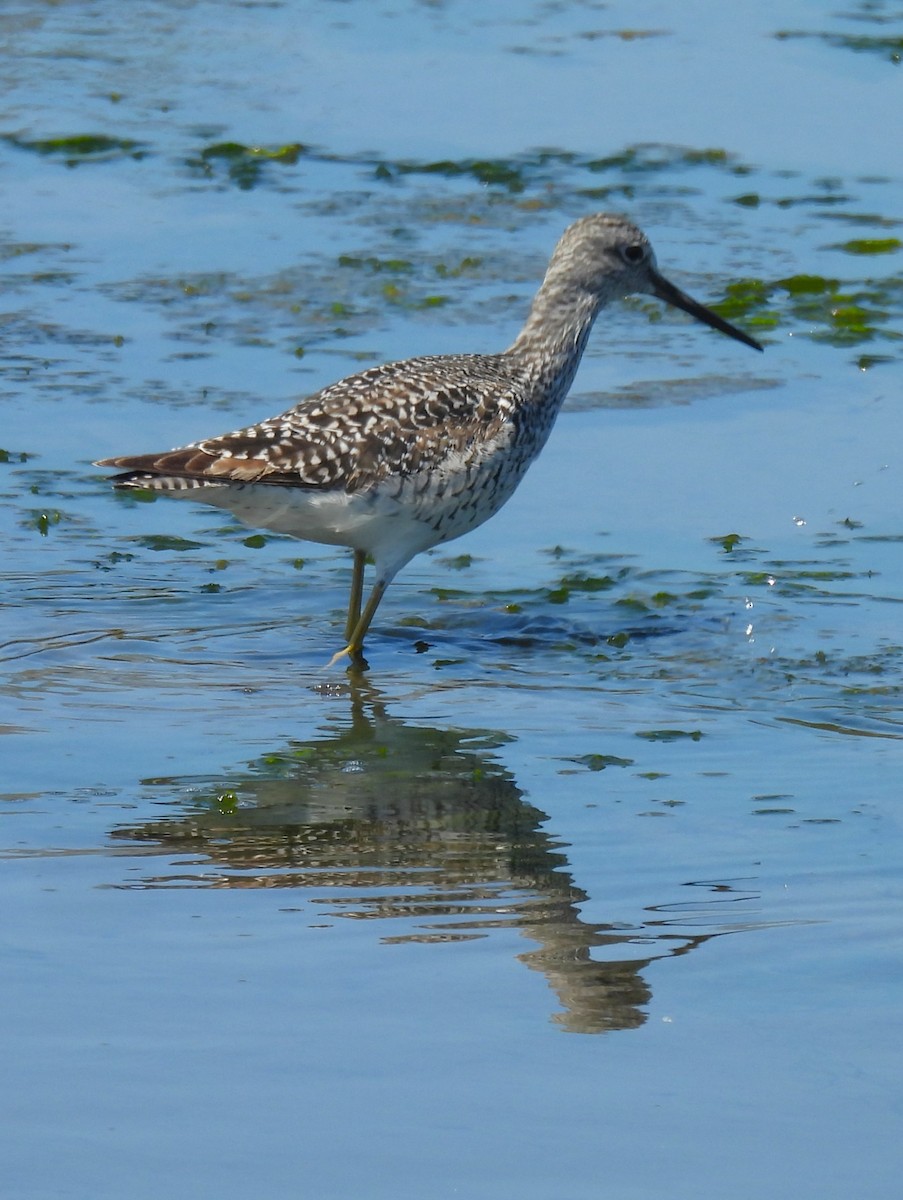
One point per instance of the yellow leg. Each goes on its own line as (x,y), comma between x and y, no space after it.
(357,593)
(356,639)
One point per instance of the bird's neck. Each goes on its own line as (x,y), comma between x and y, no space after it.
(552,341)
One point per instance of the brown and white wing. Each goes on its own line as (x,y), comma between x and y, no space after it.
(396,420)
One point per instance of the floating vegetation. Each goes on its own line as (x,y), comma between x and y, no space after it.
(375,265)
(457,562)
(558,44)
(888,48)
(728,541)
(624,35)
(14,250)
(506,173)
(669,735)
(43,521)
(80,148)
(244,165)
(871,246)
(167,541)
(546,166)
(467,266)
(830,310)
(598,762)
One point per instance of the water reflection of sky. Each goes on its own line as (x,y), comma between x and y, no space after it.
(263,927)
(460,78)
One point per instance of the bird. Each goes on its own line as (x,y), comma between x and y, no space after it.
(406,455)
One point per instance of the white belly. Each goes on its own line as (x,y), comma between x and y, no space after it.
(391,521)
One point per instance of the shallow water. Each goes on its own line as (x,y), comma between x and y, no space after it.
(590,885)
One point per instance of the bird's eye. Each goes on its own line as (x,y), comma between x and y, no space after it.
(633,254)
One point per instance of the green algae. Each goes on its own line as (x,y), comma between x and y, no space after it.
(167,541)
(669,735)
(80,148)
(871,246)
(245,165)
(888,48)
(839,313)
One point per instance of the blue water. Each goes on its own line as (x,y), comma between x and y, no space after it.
(590,887)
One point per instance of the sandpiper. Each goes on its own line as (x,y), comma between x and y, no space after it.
(406,455)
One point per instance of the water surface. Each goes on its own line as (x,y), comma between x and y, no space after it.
(590,886)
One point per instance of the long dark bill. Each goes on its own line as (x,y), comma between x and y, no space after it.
(673,295)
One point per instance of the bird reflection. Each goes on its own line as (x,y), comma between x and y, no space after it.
(381,819)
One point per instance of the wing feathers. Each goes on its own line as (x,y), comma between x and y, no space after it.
(393,420)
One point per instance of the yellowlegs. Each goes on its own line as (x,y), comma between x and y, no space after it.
(406,455)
